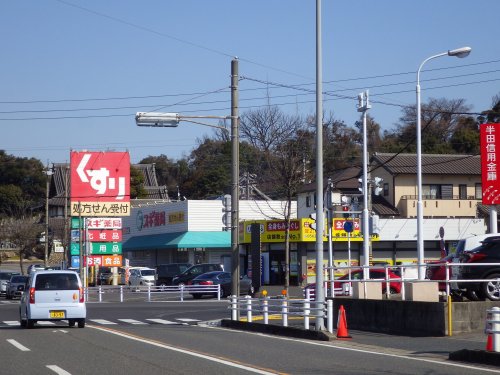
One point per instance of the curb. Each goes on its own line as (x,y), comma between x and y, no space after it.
(476,356)
(278,330)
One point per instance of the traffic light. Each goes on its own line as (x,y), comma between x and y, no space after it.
(346,212)
(360,187)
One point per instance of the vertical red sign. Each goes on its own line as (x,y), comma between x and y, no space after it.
(490,163)
(100,183)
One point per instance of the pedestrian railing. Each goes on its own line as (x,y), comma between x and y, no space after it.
(267,308)
(123,293)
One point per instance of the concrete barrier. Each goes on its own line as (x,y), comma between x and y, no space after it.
(373,290)
(423,292)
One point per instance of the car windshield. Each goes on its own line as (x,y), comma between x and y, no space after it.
(18,279)
(6,275)
(148,272)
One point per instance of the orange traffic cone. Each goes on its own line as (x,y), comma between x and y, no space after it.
(489,343)
(342,332)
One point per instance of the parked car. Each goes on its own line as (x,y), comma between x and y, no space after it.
(343,287)
(436,270)
(224,280)
(105,276)
(487,252)
(15,286)
(4,280)
(53,295)
(142,276)
(194,271)
(166,272)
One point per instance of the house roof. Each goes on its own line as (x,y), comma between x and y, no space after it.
(443,164)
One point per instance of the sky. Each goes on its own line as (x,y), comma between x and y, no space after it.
(74,73)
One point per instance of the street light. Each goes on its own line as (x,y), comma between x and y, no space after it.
(157,119)
(459,52)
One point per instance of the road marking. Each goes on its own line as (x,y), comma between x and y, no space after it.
(188,320)
(45,323)
(131,321)
(366,351)
(103,321)
(193,353)
(18,345)
(161,321)
(11,322)
(58,370)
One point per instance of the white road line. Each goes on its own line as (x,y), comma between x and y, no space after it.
(11,322)
(58,370)
(188,352)
(131,321)
(102,321)
(188,320)
(45,323)
(162,321)
(17,345)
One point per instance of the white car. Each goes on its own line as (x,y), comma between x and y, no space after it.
(53,295)
(142,276)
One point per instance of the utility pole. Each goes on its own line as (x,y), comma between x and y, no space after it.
(364,106)
(46,257)
(235,180)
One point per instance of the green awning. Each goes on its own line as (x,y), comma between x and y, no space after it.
(179,240)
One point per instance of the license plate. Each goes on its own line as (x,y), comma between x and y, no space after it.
(57,314)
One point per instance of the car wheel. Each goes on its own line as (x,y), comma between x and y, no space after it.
(71,323)
(30,323)
(491,289)
(473,295)
(81,323)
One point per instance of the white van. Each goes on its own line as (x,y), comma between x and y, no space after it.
(142,276)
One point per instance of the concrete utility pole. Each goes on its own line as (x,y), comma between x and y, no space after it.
(235,180)
(48,174)
(364,106)
(320,215)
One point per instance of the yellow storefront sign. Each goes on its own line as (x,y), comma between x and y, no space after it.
(300,231)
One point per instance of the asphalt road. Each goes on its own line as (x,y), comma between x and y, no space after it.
(171,338)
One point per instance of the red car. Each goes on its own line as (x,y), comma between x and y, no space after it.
(342,286)
(436,270)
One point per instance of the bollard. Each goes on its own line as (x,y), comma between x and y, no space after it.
(284,313)
(100,294)
(495,327)
(329,315)
(218,292)
(182,292)
(234,307)
(265,310)
(249,309)
(149,293)
(306,313)
(121,293)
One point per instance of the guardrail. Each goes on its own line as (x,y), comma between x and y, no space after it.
(282,308)
(148,293)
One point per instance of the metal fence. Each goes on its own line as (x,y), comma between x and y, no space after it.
(283,309)
(124,293)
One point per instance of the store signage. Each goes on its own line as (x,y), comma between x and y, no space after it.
(100,183)
(105,248)
(104,235)
(489,135)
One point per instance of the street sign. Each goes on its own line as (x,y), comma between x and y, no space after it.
(348,226)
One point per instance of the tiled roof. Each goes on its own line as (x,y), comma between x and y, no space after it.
(447,164)
(383,208)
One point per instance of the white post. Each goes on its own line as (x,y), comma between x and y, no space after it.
(100,294)
(249,309)
(284,313)
(182,293)
(121,293)
(149,293)
(218,292)
(329,315)
(496,329)
(265,310)
(306,313)
(234,308)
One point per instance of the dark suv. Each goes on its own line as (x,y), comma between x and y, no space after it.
(196,270)
(487,252)
(166,272)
